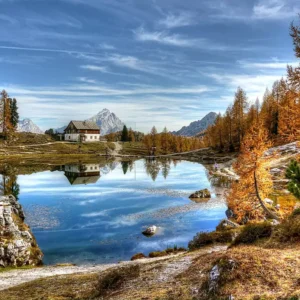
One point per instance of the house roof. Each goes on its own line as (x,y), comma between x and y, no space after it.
(85,125)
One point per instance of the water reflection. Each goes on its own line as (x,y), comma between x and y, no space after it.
(9,185)
(154,166)
(82,174)
(95,212)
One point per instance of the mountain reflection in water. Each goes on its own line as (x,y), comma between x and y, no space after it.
(95,212)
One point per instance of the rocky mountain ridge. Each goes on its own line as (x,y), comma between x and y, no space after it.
(197,126)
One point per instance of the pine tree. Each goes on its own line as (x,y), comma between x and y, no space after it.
(14,115)
(124,136)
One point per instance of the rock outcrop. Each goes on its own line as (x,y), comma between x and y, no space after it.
(17,243)
(202,194)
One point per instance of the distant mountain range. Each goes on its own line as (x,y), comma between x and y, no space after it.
(27,125)
(196,127)
(106,120)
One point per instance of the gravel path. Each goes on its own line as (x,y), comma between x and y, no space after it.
(172,265)
(15,277)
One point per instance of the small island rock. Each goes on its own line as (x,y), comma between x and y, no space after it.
(205,193)
(150,230)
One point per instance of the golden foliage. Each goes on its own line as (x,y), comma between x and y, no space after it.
(243,199)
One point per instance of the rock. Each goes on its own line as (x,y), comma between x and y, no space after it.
(274,222)
(229,213)
(268,201)
(228,224)
(277,206)
(205,193)
(213,278)
(150,230)
(17,246)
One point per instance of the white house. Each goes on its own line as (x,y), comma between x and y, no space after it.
(82,131)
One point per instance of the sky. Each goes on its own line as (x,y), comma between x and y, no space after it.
(151,62)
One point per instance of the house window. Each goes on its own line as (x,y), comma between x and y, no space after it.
(91,137)
(69,137)
(95,137)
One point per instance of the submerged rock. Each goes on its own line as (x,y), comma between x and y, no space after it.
(205,193)
(150,230)
(18,246)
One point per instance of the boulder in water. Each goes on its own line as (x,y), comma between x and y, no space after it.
(205,193)
(150,230)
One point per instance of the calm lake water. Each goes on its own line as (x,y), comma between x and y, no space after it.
(90,214)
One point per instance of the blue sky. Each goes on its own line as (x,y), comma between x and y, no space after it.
(166,62)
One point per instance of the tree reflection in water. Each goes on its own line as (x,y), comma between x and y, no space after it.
(154,166)
(9,185)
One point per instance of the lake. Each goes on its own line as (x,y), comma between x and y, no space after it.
(92,213)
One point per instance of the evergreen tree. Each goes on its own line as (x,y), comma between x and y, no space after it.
(293,173)
(14,115)
(124,136)
(125,165)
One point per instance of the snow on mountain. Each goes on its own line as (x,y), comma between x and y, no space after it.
(27,125)
(107,121)
(197,126)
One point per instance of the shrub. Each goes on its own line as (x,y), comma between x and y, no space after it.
(289,230)
(138,256)
(252,232)
(207,238)
(296,212)
(116,278)
(157,254)
(293,173)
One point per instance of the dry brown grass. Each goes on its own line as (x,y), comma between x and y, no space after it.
(59,287)
(268,273)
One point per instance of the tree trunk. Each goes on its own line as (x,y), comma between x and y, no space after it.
(268,212)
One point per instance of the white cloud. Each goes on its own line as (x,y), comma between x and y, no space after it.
(106,46)
(275,9)
(254,85)
(180,20)
(86,90)
(94,68)
(86,80)
(163,38)
(267,65)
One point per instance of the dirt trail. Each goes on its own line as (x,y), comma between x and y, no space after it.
(171,266)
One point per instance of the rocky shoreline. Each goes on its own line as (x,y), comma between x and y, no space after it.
(18,246)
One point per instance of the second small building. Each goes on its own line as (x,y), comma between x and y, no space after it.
(82,131)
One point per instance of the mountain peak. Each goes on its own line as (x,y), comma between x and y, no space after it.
(26,125)
(107,121)
(197,126)
(104,111)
